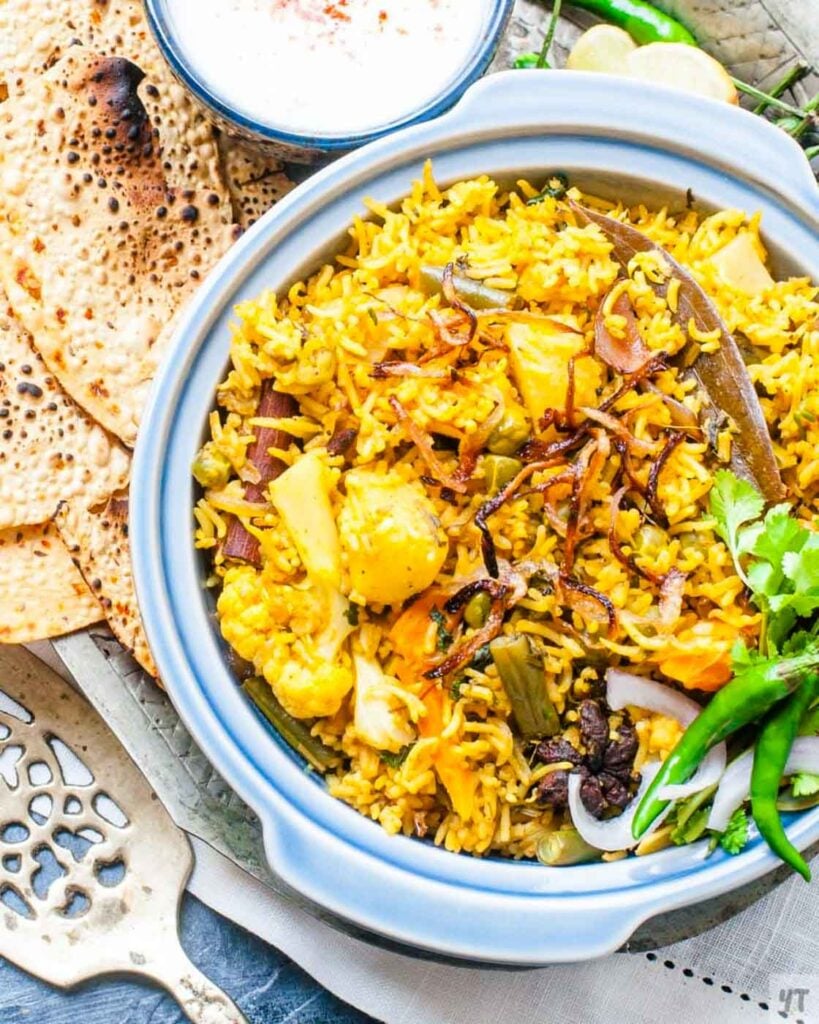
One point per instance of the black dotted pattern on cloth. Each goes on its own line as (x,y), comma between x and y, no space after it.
(706,980)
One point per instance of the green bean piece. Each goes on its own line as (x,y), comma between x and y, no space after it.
(512,432)
(498,471)
(295,732)
(520,669)
(477,610)
(210,467)
(644,22)
(474,293)
(526,60)
(563,847)
(750,695)
(771,752)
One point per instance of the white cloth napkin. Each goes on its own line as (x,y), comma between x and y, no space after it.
(768,954)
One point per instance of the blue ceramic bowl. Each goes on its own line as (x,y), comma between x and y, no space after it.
(299,146)
(615,137)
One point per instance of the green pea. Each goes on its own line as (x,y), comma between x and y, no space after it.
(512,431)
(499,470)
(649,539)
(210,467)
(477,610)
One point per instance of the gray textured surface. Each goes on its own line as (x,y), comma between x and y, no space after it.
(757,40)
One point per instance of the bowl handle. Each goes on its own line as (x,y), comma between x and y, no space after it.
(571,102)
(448,920)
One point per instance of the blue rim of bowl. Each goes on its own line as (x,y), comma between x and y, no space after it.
(480,59)
(304,832)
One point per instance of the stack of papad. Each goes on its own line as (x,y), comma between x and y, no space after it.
(97,540)
(98,251)
(117,194)
(49,450)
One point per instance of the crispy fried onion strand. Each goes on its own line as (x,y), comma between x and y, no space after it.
(488,508)
(474,442)
(396,368)
(466,648)
(627,354)
(586,470)
(423,442)
(674,439)
(671,584)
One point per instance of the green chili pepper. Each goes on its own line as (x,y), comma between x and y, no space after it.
(770,756)
(643,22)
(475,294)
(526,60)
(749,695)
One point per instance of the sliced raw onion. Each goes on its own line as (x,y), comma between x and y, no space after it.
(613,833)
(735,786)
(623,688)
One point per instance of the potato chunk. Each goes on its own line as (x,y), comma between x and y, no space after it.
(392,539)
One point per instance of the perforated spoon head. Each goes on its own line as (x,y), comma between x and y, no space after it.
(92,867)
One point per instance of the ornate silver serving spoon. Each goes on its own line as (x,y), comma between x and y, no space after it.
(92,868)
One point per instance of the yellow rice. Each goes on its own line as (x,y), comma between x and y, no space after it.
(319,343)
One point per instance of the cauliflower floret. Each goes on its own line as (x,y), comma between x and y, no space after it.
(392,539)
(384,710)
(293,635)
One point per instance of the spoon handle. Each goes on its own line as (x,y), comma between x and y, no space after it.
(202,1001)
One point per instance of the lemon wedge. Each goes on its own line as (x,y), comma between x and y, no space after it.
(684,67)
(602,48)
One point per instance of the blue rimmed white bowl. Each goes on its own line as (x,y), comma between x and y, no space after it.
(609,135)
(495,15)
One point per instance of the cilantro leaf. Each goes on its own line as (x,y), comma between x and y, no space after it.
(735,836)
(801,641)
(733,503)
(782,533)
(805,784)
(455,690)
(802,566)
(397,759)
(444,635)
(743,657)
(781,556)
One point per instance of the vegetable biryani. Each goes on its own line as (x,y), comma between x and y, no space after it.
(485,506)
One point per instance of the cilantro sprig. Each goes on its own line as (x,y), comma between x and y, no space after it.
(776,556)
